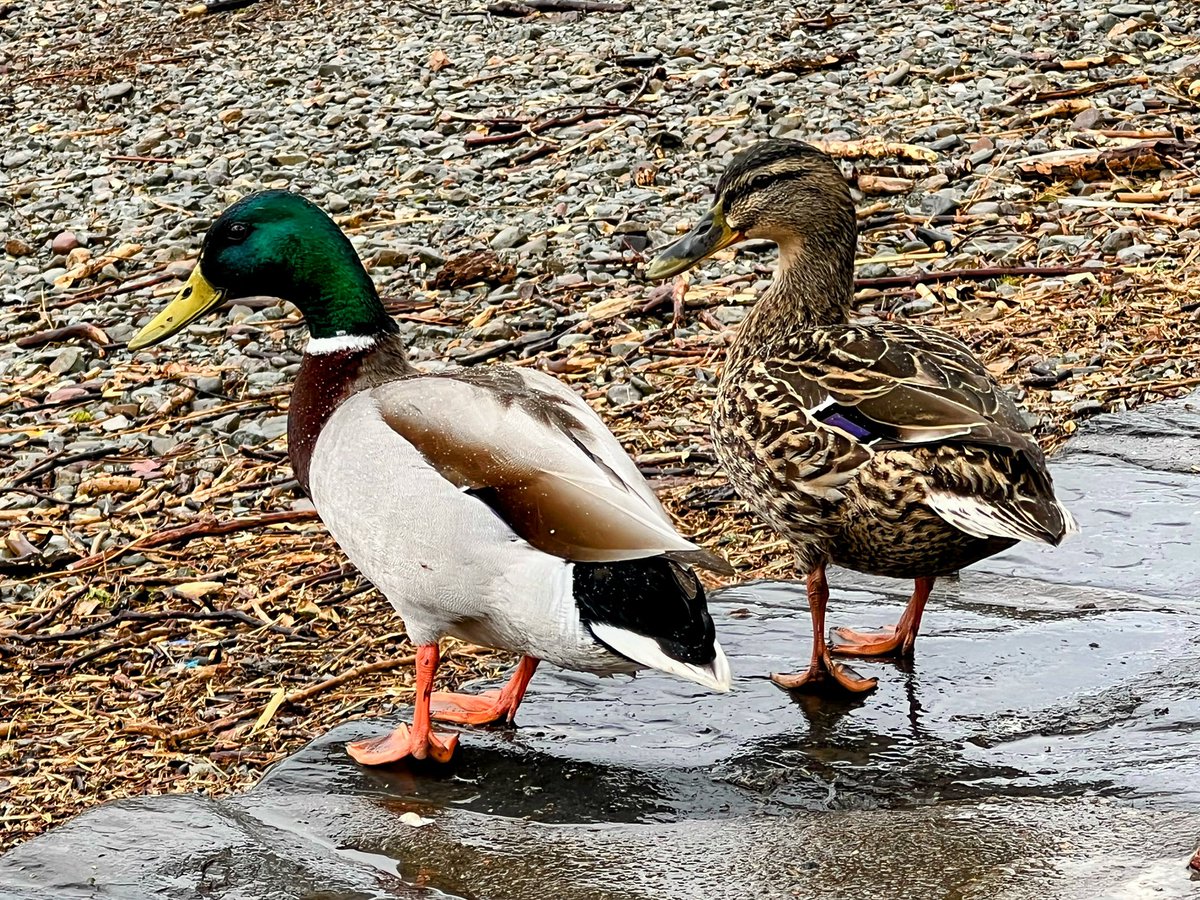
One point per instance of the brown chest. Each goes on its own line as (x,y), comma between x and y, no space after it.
(325,381)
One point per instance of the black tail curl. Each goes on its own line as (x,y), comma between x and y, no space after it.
(656,597)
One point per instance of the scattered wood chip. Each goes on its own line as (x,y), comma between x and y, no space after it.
(92,266)
(79,330)
(876,148)
(807,63)
(471,268)
(1094,162)
(872,185)
(196,590)
(110,484)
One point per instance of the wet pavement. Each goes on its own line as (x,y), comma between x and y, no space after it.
(1043,744)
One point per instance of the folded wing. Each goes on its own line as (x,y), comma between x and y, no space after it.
(541,458)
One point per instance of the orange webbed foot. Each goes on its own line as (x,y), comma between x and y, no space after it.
(470,709)
(888,641)
(824,673)
(402,743)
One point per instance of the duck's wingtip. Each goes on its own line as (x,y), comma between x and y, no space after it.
(704,559)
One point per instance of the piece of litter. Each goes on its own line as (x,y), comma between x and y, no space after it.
(414,820)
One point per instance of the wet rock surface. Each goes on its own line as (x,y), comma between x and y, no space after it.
(1042,744)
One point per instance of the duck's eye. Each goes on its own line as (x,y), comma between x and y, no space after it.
(758,182)
(238,231)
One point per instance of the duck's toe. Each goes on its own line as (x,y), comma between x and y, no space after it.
(401,743)
(470,709)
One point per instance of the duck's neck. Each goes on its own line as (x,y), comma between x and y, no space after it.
(334,369)
(338,299)
(813,286)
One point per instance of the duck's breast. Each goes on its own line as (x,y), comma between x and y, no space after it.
(447,563)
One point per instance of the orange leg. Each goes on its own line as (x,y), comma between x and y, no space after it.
(489,707)
(418,740)
(822,669)
(897,640)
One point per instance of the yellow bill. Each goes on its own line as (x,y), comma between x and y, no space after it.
(197,297)
(708,236)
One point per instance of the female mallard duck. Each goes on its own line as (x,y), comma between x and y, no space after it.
(885,448)
(488,504)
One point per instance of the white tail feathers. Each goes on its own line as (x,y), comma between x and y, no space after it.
(981,519)
(641,649)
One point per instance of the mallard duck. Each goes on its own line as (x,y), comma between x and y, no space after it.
(489,504)
(885,448)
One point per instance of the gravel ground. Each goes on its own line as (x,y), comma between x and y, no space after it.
(172,615)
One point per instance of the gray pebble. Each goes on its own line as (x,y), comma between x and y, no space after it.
(68,361)
(508,238)
(1119,240)
(623,394)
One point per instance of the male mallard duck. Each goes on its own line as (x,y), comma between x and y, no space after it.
(885,448)
(488,504)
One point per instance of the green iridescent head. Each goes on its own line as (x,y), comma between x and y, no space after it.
(277,244)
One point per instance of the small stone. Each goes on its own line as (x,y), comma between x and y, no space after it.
(536,247)
(217,173)
(389,258)
(249,436)
(17,158)
(979,157)
(64,243)
(943,202)
(115,423)
(1119,240)
(150,140)
(227,423)
(508,238)
(897,74)
(495,330)
(336,203)
(623,394)
(288,158)
(1134,253)
(1129,10)
(914,308)
(1087,407)
(116,91)
(428,256)
(570,340)
(68,361)
(17,248)
(729,315)
(274,426)
(1087,119)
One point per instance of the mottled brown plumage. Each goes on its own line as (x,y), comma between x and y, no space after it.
(885,448)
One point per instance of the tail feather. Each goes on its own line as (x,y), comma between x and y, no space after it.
(654,612)
(647,651)
(1045,522)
